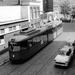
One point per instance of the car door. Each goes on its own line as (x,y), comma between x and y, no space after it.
(69,54)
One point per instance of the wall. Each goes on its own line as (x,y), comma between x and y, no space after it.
(9,35)
(47,5)
(24,12)
(8,2)
(8,13)
(23,1)
(50,5)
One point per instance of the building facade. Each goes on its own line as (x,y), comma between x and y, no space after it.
(31,9)
(47,5)
(20,16)
(9,29)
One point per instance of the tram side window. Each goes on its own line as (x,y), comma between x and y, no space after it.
(24,45)
(36,39)
(33,41)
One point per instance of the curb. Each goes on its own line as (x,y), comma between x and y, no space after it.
(3,51)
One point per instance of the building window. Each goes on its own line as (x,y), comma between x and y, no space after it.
(31,12)
(2,41)
(20,26)
(35,12)
(14,27)
(10,28)
(2,31)
(38,11)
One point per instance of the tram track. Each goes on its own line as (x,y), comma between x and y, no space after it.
(50,59)
(46,62)
(27,67)
(35,65)
(8,61)
(30,64)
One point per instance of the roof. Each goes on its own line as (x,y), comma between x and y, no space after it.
(24,36)
(71,40)
(19,38)
(65,48)
(27,3)
(13,21)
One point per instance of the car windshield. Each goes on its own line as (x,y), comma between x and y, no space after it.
(62,52)
(69,44)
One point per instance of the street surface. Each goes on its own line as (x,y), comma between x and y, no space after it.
(43,62)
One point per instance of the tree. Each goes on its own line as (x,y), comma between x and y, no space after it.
(65,8)
(73,12)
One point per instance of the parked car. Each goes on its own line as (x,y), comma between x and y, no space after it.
(70,42)
(66,19)
(64,56)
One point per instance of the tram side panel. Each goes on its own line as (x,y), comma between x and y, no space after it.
(25,49)
(59,29)
(54,32)
(35,44)
(50,35)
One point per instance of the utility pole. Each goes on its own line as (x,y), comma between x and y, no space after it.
(19,2)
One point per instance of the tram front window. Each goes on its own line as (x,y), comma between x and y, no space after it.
(16,48)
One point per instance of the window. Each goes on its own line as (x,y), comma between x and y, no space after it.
(24,45)
(2,39)
(31,12)
(69,52)
(33,41)
(10,28)
(38,12)
(2,31)
(62,52)
(35,12)
(16,48)
(14,27)
(20,27)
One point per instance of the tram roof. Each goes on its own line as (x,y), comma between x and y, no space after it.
(22,37)
(19,38)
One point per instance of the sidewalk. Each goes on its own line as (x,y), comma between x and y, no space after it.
(3,51)
(4,58)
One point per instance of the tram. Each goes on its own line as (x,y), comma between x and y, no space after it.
(23,46)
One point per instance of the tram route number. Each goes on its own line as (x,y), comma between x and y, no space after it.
(42,42)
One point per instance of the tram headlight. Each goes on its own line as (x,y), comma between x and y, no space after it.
(13,55)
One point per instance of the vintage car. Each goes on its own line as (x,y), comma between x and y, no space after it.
(64,56)
(70,42)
